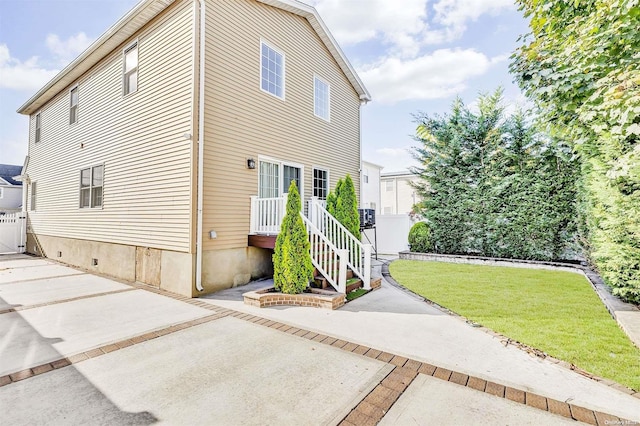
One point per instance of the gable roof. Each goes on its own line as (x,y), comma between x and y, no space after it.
(144,12)
(8,172)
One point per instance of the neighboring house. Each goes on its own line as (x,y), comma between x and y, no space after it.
(371,186)
(397,194)
(10,189)
(152,155)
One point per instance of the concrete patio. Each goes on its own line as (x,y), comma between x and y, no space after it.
(76,348)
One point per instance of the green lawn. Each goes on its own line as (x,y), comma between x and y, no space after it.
(554,311)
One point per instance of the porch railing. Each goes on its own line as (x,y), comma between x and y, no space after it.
(333,248)
(267,215)
(359,254)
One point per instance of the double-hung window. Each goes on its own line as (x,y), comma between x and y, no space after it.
(91,180)
(320,183)
(38,124)
(131,69)
(73,105)
(271,70)
(321,92)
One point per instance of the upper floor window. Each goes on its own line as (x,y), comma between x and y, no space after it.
(37,127)
(271,70)
(389,185)
(91,186)
(73,105)
(131,69)
(321,98)
(320,183)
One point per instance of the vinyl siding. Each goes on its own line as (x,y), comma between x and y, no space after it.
(242,121)
(139,139)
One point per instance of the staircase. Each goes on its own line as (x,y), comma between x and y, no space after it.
(337,255)
(340,259)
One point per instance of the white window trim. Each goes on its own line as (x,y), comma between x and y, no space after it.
(124,67)
(324,169)
(76,87)
(101,206)
(284,69)
(1,193)
(328,118)
(282,163)
(37,134)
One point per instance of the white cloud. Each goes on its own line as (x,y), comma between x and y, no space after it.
(406,28)
(67,50)
(456,13)
(353,22)
(436,75)
(19,75)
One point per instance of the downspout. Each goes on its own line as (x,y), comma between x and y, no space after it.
(200,183)
(363,101)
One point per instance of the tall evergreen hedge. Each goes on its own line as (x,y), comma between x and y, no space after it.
(292,267)
(494,186)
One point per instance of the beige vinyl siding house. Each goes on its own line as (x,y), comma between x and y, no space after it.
(146,142)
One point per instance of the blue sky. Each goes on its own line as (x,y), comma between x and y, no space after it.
(413,58)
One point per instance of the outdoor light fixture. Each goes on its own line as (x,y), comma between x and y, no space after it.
(251,163)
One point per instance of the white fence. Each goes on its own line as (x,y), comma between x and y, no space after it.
(392,233)
(13,233)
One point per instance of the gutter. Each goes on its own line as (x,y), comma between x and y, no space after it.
(200,195)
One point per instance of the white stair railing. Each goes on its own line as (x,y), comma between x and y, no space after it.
(328,259)
(359,254)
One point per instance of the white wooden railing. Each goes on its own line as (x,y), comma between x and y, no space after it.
(328,259)
(267,214)
(359,254)
(333,248)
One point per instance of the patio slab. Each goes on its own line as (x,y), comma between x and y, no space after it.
(202,375)
(37,292)
(430,401)
(36,336)
(20,272)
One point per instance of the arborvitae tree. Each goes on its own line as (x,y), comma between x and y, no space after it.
(332,199)
(347,207)
(292,267)
(493,185)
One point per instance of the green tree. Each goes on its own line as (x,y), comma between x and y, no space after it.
(493,185)
(347,206)
(292,267)
(332,199)
(580,66)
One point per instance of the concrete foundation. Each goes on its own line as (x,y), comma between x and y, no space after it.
(223,269)
(169,270)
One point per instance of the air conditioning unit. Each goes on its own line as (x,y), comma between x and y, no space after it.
(367,218)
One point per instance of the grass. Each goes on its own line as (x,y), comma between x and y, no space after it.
(554,311)
(356,293)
